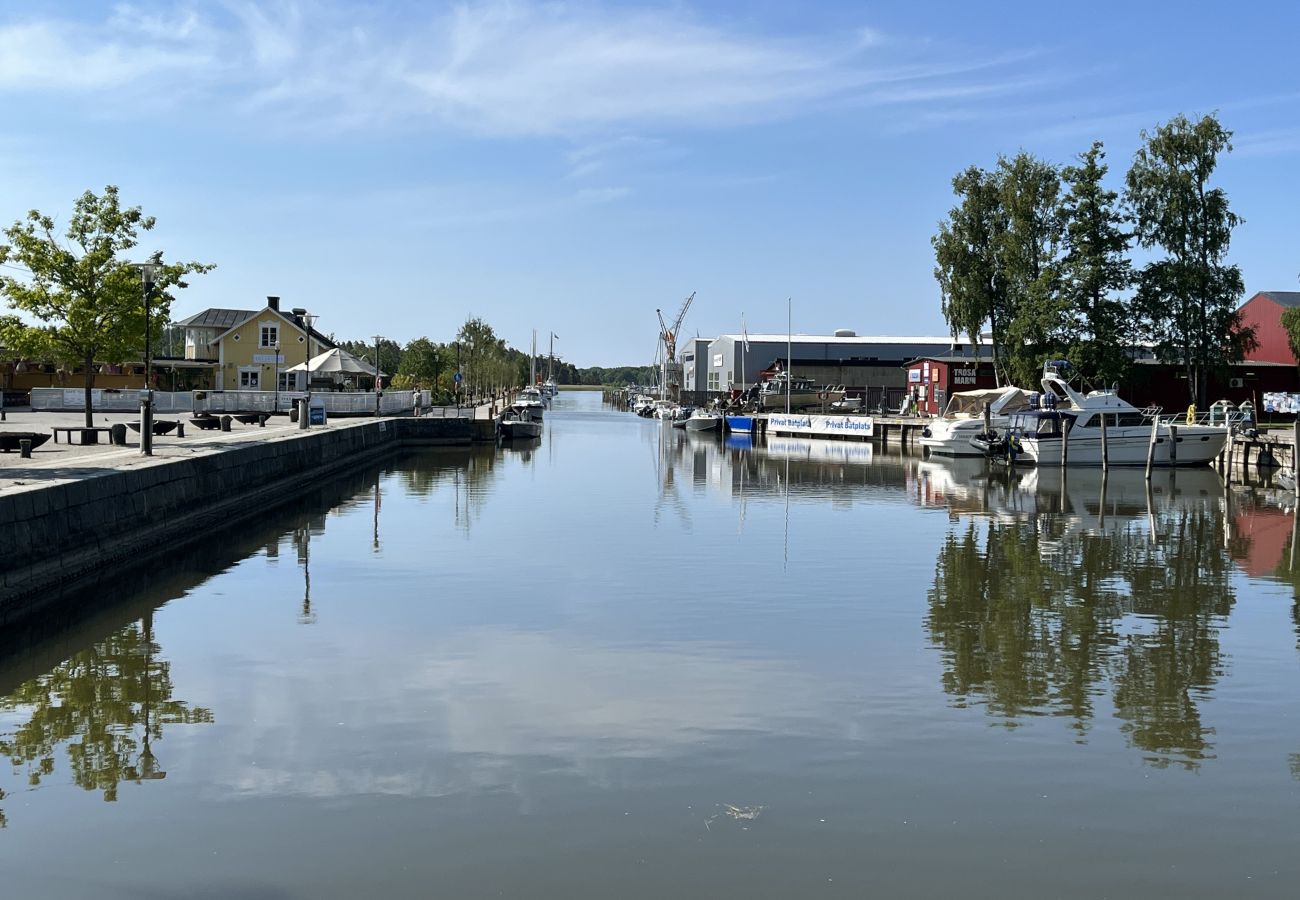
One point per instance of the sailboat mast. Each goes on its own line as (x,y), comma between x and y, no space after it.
(532,362)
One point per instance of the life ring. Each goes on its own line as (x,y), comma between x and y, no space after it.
(824,395)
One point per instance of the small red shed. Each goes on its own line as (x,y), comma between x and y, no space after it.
(933,379)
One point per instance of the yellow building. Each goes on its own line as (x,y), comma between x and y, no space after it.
(250,349)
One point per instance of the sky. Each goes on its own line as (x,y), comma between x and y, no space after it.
(572,167)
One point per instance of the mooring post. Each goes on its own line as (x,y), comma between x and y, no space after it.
(25,448)
(1173,444)
(1066,422)
(1105,448)
(1151,447)
(1295,444)
(1227,466)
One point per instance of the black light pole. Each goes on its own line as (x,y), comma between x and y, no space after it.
(456,379)
(305,403)
(146,398)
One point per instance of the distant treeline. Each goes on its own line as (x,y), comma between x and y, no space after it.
(486,362)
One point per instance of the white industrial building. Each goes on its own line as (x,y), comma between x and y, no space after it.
(845,357)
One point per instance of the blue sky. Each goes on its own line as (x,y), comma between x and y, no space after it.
(396,167)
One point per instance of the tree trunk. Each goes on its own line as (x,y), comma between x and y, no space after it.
(90,385)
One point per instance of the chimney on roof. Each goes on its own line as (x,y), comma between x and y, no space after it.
(274,303)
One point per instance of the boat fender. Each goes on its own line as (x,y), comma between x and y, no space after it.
(925,432)
(1191,414)
(824,395)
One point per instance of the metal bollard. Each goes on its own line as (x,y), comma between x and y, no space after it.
(225,423)
(25,448)
(180,429)
(117,435)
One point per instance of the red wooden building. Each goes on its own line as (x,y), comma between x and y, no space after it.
(1263,312)
(933,379)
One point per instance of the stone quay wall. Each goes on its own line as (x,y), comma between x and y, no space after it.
(55,537)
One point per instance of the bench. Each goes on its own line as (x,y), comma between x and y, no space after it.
(88,435)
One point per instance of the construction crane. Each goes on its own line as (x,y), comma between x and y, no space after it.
(669,335)
(668,338)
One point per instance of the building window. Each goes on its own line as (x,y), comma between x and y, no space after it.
(713,381)
(250,379)
(288,381)
(270,335)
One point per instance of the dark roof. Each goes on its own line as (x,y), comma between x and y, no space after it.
(225,319)
(1282,298)
(953,359)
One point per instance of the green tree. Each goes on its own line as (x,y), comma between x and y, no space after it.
(1189,298)
(1095,272)
(87,300)
(1291,322)
(1028,191)
(966,252)
(422,362)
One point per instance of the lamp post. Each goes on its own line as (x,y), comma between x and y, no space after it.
(456,379)
(377,376)
(146,396)
(275,405)
(304,414)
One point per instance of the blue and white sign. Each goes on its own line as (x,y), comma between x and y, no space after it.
(458,378)
(821,426)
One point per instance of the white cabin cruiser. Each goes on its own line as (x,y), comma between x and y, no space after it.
(963,419)
(1036,435)
(530,404)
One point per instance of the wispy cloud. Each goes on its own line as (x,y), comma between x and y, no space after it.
(506,69)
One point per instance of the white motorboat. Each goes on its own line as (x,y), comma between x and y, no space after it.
(1036,435)
(963,419)
(530,404)
(514,425)
(704,420)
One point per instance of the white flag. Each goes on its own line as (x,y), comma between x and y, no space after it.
(745,329)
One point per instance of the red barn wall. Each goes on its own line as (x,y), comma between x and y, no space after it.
(1266,317)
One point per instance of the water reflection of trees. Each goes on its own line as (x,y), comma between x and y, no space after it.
(468,472)
(1048,614)
(106,706)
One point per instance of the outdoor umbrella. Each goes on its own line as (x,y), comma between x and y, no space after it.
(336,361)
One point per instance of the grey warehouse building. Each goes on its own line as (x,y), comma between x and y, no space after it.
(842,358)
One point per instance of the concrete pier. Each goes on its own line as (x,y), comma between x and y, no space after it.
(62,524)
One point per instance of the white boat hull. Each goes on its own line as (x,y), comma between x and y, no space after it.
(953,438)
(1198,445)
(703,423)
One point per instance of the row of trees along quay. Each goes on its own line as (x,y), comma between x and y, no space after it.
(86,296)
(1042,256)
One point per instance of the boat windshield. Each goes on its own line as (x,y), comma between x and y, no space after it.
(970,404)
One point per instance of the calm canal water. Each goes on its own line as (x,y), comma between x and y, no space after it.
(629,662)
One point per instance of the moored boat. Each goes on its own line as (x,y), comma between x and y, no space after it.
(963,419)
(515,426)
(1067,422)
(704,420)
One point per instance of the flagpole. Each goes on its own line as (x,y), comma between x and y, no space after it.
(744,339)
(789,353)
